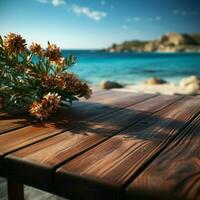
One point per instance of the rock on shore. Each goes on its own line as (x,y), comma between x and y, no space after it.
(191,84)
(187,86)
(110,84)
(155,81)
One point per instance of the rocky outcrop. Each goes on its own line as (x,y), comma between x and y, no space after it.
(177,39)
(189,80)
(150,46)
(155,81)
(128,46)
(109,85)
(190,84)
(192,89)
(171,42)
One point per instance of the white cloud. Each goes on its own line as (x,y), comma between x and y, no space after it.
(93,14)
(53,2)
(79,10)
(57,2)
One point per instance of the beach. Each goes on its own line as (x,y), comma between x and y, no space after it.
(187,86)
(166,89)
(132,70)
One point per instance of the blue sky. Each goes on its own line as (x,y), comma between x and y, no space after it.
(91,24)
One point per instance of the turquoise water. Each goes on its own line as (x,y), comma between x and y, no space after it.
(132,68)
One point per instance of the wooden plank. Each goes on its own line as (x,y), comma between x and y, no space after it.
(72,117)
(16,120)
(14,123)
(43,157)
(8,113)
(103,171)
(175,173)
(95,103)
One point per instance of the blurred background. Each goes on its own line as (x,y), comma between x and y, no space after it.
(128,42)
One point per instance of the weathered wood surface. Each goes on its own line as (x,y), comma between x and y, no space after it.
(99,104)
(175,173)
(12,112)
(12,123)
(42,157)
(14,120)
(115,146)
(107,168)
(73,117)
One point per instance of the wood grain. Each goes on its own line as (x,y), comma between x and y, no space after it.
(105,101)
(14,123)
(43,157)
(103,171)
(11,112)
(18,119)
(175,174)
(73,117)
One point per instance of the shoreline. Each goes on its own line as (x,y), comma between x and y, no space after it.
(187,86)
(165,89)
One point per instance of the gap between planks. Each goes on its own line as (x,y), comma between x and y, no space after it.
(164,104)
(97,99)
(180,179)
(101,115)
(71,175)
(27,120)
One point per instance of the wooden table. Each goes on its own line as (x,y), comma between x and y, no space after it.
(115,146)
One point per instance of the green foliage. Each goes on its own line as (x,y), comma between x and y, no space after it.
(27,75)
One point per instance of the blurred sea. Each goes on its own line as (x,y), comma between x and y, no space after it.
(132,68)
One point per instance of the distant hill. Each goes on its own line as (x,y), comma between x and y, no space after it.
(171,42)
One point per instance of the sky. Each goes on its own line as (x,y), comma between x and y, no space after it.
(95,24)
